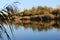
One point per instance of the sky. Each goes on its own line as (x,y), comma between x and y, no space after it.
(28,4)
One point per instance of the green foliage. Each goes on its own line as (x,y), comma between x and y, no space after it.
(33,11)
(39,11)
(26,12)
(55,12)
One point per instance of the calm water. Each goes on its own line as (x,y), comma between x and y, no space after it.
(29,30)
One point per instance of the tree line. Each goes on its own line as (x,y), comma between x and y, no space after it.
(47,12)
(40,11)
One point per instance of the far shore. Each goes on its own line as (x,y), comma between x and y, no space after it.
(36,17)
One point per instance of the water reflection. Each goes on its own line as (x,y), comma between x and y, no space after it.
(34,25)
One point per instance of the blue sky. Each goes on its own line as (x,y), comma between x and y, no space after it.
(27,4)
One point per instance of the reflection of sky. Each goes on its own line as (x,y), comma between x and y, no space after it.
(28,34)
(30,3)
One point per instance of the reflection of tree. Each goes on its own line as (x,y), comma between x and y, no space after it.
(36,25)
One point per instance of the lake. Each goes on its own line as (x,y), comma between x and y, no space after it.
(29,30)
